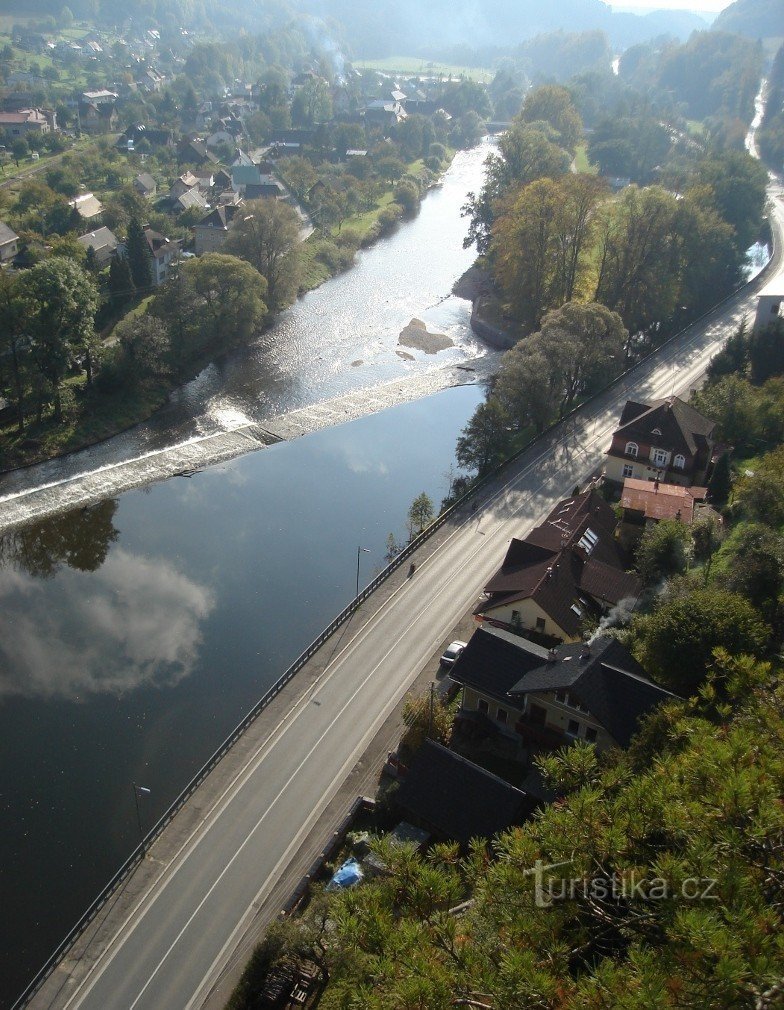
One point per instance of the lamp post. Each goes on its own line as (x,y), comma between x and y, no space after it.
(144,792)
(360,551)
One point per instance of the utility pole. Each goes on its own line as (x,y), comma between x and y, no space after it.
(145,792)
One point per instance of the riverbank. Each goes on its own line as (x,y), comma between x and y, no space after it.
(93,416)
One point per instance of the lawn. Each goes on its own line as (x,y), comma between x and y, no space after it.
(414,65)
(581,163)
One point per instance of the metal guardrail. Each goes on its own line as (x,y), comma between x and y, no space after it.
(127,867)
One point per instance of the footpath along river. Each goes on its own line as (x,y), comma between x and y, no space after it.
(136,631)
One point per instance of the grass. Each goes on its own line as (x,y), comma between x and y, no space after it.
(413,65)
(581,163)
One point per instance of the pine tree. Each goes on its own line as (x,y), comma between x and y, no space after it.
(139,256)
(720,484)
(121,286)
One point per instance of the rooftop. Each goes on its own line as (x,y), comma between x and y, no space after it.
(661,501)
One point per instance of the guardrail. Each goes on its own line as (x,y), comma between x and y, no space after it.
(127,867)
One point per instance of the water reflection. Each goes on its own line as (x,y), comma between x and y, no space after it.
(78,539)
(136,621)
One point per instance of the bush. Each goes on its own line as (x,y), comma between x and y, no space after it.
(334,257)
(389,218)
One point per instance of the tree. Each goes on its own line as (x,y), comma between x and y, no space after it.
(312,103)
(13,346)
(733,404)
(420,515)
(733,357)
(19,149)
(217,300)
(145,345)
(484,441)
(751,562)
(60,301)
(676,642)
(663,551)
(121,286)
(266,235)
(138,253)
(720,484)
(766,351)
(552,104)
(761,496)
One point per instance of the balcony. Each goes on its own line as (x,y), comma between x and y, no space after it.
(540,735)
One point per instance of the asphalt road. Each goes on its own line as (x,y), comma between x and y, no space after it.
(172,948)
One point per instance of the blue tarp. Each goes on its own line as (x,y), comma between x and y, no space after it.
(347,875)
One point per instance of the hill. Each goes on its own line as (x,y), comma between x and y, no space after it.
(757,19)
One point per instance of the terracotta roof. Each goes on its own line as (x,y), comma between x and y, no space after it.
(661,501)
(605,678)
(457,798)
(682,427)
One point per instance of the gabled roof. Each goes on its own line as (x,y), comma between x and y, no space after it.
(604,677)
(495,660)
(145,181)
(571,555)
(87,205)
(681,427)
(101,238)
(219,218)
(191,198)
(7,234)
(457,798)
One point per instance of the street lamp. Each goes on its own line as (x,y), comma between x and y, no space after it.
(144,791)
(360,550)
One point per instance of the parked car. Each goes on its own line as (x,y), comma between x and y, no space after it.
(452,653)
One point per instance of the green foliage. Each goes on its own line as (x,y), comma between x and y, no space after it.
(675,643)
(751,562)
(266,236)
(420,515)
(720,483)
(664,550)
(138,253)
(766,351)
(485,440)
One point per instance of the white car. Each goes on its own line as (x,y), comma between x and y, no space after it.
(452,653)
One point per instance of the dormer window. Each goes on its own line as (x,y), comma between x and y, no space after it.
(632,449)
(680,462)
(660,457)
(656,431)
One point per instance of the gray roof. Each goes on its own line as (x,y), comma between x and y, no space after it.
(101,238)
(146,180)
(7,234)
(457,798)
(606,679)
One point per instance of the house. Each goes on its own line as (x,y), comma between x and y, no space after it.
(667,440)
(104,244)
(134,135)
(97,118)
(194,152)
(145,185)
(596,692)
(384,113)
(453,798)
(9,243)
(23,122)
(188,200)
(268,187)
(567,571)
(88,207)
(103,97)
(163,253)
(646,503)
(186,182)
(210,233)
(770,305)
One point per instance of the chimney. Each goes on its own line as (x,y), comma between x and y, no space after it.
(551,656)
(548,574)
(585,652)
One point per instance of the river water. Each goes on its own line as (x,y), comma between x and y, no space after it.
(135,631)
(340,340)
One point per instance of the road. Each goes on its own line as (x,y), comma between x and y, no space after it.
(170,951)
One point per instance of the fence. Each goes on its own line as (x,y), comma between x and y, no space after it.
(128,866)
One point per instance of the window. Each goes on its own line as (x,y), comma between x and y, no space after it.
(482,706)
(590,734)
(656,431)
(573,727)
(588,540)
(628,470)
(540,624)
(502,716)
(632,449)
(680,462)
(660,457)
(562,696)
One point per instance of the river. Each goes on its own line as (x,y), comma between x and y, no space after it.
(339,341)
(135,631)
